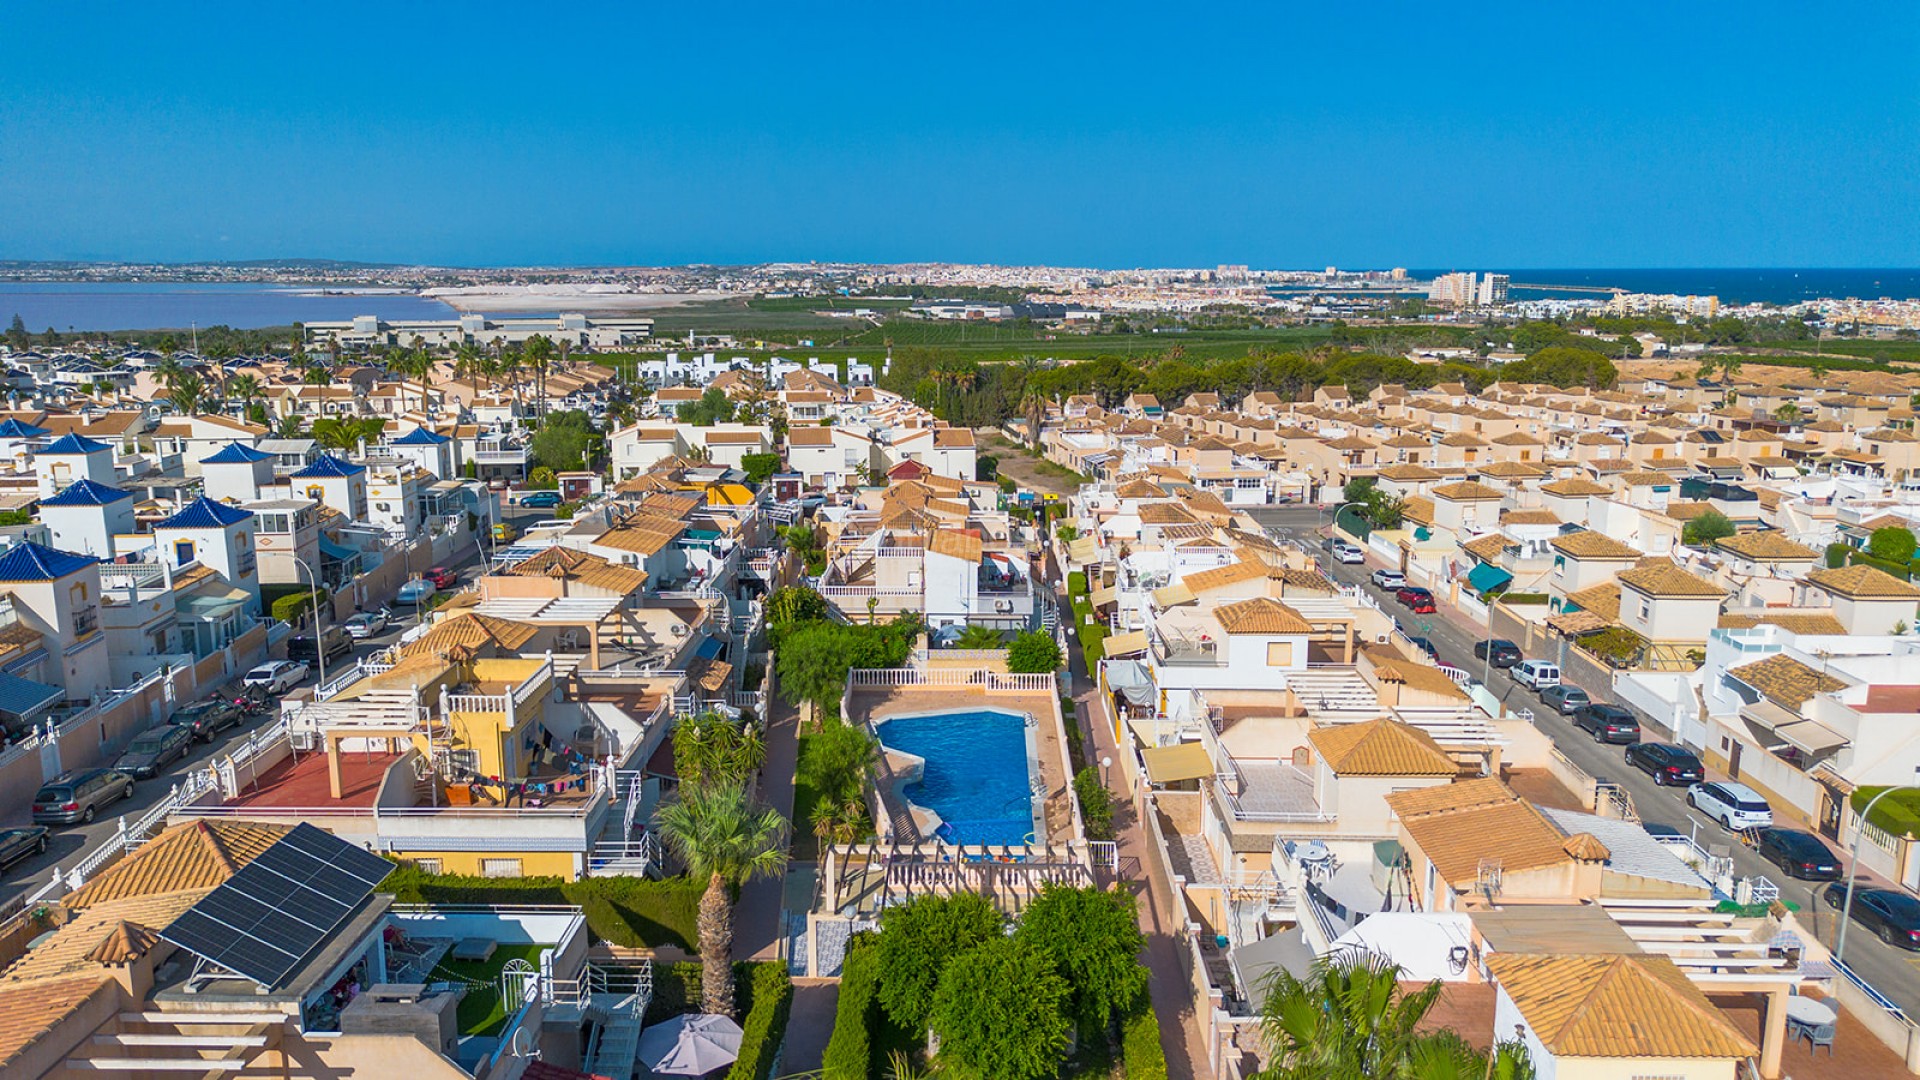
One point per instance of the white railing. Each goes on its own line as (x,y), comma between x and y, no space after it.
(1240,813)
(478,703)
(632,808)
(991,681)
(534,683)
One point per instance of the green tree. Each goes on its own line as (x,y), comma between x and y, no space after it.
(1345,1018)
(714,407)
(813,662)
(316,375)
(721,836)
(1708,527)
(1033,652)
(563,440)
(539,359)
(1093,937)
(189,391)
(792,606)
(710,750)
(247,389)
(1787,413)
(1000,1012)
(18,339)
(542,479)
(759,467)
(1892,543)
(346,432)
(917,942)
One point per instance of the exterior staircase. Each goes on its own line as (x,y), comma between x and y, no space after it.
(618,1000)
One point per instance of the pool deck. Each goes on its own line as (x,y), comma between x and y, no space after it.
(878,704)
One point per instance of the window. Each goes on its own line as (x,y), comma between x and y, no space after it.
(1646,610)
(1280,654)
(499,867)
(182,552)
(427,866)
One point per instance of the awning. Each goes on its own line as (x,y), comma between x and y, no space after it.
(1184,761)
(1083,550)
(23,698)
(1811,737)
(1173,595)
(708,648)
(1769,716)
(1484,577)
(334,551)
(1132,641)
(1103,597)
(1129,679)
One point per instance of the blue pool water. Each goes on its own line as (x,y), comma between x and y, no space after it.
(977,776)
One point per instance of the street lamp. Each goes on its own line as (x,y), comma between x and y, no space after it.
(1105,764)
(1853,868)
(319,641)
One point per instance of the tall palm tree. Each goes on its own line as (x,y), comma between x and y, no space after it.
(466,361)
(710,750)
(168,369)
(316,375)
(188,392)
(247,389)
(723,837)
(539,357)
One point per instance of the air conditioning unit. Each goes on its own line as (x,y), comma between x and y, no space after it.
(1382,639)
(1003,605)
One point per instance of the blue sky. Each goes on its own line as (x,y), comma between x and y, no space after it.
(1619,135)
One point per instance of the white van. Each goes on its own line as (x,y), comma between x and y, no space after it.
(1538,674)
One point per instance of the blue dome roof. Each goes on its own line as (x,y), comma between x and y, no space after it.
(236,453)
(87,493)
(73,444)
(204,513)
(327,465)
(12,428)
(28,561)
(420,437)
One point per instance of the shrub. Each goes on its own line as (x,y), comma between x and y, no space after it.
(676,990)
(1096,804)
(1077,583)
(759,467)
(542,478)
(1092,636)
(1140,1048)
(1901,570)
(766,1023)
(1033,652)
(1891,543)
(1523,598)
(294,606)
(849,1054)
(1837,556)
(1616,645)
(1898,813)
(628,911)
(1708,527)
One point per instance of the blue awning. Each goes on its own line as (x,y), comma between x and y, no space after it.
(1484,577)
(709,648)
(23,698)
(331,550)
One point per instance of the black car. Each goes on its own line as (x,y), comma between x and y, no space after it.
(1610,724)
(1425,646)
(1892,915)
(152,751)
(1500,652)
(206,718)
(1666,763)
(301,647)
(22,843)
(1800,854)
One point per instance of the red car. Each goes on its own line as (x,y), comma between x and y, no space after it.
(1417,599)
(442,577)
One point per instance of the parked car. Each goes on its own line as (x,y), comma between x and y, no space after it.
(1800,854)
(1666,763)
(1419,600)
(1608,723)
(21,843)
(1390,580)
(1733,805)
(504,533)
(1892,915)
(1537,674)
(337,641)
(277,676)
(367,624)
(442,577)
(541,500)
(154,749)
(76,797)
(415,591)
(1565,699)
(1348,553)
(1500,652)
(205,719)
(1425,646)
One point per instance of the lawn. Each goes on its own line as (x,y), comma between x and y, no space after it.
(481,1010)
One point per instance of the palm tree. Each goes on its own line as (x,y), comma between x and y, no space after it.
(247,389)
(346,433)
(977,638)
(723,837)
(316,375)
(168,370)
(839,823)
(710,750)
(539,358)
(1345,1018)
(187,393)
(466,361)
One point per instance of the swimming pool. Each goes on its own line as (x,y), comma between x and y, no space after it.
(979,772)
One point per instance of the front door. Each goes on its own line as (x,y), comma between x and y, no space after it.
(1733,762)
(1831,803)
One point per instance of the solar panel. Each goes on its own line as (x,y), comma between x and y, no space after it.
(267,918)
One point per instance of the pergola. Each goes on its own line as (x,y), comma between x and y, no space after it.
(587,613)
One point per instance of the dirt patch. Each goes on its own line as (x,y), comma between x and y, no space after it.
(1034,474)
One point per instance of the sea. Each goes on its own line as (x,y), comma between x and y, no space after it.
(147,305)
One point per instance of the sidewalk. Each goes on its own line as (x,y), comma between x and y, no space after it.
(1180,1035)
(756,931)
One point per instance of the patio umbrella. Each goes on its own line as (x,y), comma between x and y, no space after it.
(692,1044)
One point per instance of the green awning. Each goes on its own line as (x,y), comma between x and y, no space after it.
(1483,578)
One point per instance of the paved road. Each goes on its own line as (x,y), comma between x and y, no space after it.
(68,843)
(1895,972)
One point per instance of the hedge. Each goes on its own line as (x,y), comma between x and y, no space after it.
(771,993)
(1076,583)
(1092,639)
(849,1054)
(630,912)
(292,606)
(1523,598)
(1096,804)
(1140,1049)
(1898,813)
(1837,556)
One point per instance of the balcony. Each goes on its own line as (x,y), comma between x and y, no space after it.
(86,620)
(500,457)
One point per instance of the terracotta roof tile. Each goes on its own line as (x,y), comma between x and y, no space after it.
(1767,546)
(587,569)
(1261,615)
(1588,544)
(1660,577)
(1459,825)
(198,855)
(1863,582)
(1786,681)
(1381,748)
(29,1011)
(1467,491)
(1800,622)
(1616,1006)
(1222,576)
